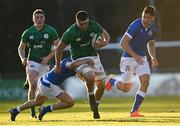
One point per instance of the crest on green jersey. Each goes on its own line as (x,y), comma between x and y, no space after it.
(31,37)
(46,36)
(92,34)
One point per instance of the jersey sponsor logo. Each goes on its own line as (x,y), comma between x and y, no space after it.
(43,42)
(37,46)
(46,36)
(31,37)
(86,44)
(78,39)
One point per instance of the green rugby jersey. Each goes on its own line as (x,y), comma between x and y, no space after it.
(80,41)
(40,43)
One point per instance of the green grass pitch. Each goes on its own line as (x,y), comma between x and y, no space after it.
(158,111)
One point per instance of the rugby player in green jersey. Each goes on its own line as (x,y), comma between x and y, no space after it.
(39,39)
(85,37)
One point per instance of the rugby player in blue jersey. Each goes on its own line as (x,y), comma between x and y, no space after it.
(138,39)
(48,87)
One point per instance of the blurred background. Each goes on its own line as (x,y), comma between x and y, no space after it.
(115,16)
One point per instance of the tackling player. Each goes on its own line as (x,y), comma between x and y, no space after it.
(48,87)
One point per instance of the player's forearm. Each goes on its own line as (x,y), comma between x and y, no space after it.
(106,36)
(21,53)
(151,49)
(104,41)
(58,56)
(79,62)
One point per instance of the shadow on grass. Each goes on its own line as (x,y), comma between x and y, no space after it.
(145,120)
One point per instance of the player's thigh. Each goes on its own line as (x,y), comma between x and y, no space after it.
(32,77)
(100,82)
(65,97)
(86,72)
(143,69)
(127,68)
(98,65)
(32,72)
(43,69)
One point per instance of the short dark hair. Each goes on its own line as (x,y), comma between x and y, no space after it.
(82,15)
(38,11)
(149,10)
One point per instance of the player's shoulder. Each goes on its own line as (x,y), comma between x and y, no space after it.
(29,30)
(93,24)
(71,30)
(136,23)
(50,28)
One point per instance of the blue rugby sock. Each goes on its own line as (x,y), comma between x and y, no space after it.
(138,100)
(112,81)
(15,110)
(48,108)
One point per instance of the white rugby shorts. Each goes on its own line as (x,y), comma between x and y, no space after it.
(38,67)
(50,92)
(129,66)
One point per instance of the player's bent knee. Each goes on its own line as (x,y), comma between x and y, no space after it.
(100,85)
(70,103)
(127,87)
(89,76)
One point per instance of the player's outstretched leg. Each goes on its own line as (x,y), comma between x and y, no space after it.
(110,82)
(13,113)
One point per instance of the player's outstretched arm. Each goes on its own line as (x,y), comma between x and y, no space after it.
(79,62)
(58,56)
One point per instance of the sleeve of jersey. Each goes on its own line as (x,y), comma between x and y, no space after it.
(24,37)
(131,30)
(98,28)
(54,35)
(66,38)
(65,64)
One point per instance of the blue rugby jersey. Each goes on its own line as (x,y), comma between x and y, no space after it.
(53,78)
(140,36)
